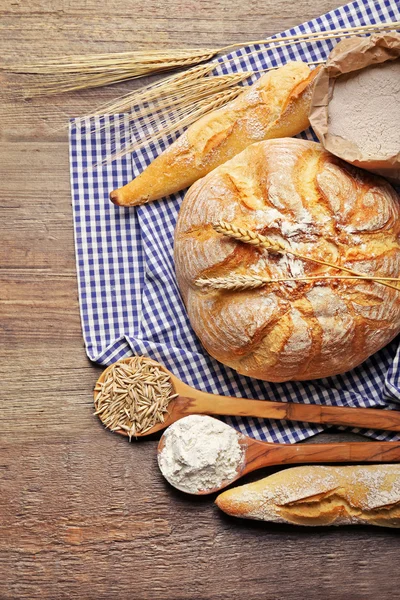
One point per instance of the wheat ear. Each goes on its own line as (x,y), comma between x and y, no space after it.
(256,239)
(70,73)
(177,121)
(251,282)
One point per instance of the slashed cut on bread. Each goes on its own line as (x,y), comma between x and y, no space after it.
(317,495)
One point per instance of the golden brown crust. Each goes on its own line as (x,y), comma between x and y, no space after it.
(323,208)
(276,105)
(317,495)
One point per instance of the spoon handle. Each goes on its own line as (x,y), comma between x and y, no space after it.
(368,418)
(261,454)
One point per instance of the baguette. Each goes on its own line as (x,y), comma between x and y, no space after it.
(316,495)
(276,105)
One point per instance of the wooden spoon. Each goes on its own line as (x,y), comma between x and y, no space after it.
(257,455)
(191,401)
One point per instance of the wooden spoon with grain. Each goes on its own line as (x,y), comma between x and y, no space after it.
(192,401)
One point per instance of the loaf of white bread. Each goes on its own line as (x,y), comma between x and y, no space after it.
(317,495)
(276,105)
(294,192)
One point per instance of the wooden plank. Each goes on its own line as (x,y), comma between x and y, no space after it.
(46,27)
(97,529)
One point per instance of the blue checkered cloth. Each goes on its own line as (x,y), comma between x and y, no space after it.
(129,299)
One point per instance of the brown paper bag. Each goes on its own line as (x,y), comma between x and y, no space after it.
(350,55)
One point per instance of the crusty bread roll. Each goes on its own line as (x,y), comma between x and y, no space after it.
(316,495)
(297,193)
(276,105)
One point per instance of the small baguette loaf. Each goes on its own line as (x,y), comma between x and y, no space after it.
(316,495)
(275,106)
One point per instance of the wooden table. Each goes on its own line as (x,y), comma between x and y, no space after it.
(83,514)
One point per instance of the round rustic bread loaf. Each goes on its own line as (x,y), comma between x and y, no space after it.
(295,192)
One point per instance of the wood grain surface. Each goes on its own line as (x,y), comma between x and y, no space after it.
(84,514)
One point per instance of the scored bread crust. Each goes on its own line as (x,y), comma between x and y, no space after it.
(318,495)
(293,191)
(276,105)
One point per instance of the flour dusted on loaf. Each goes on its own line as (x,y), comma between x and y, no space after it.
(365,109)
(293,192)
(319,495)
(199,453)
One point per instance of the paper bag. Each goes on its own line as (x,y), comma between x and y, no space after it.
(350,55)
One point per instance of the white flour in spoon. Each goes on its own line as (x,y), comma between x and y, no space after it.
(365,109)
(200,453)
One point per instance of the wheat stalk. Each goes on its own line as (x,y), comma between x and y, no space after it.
(256,239)
(251,282)
(248,237)
(159,126)
(80,72)
(187,96)
(182,118)
(77,73)
(342,31)
(174,106)
(98,62)
(158,91)
(317,36)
